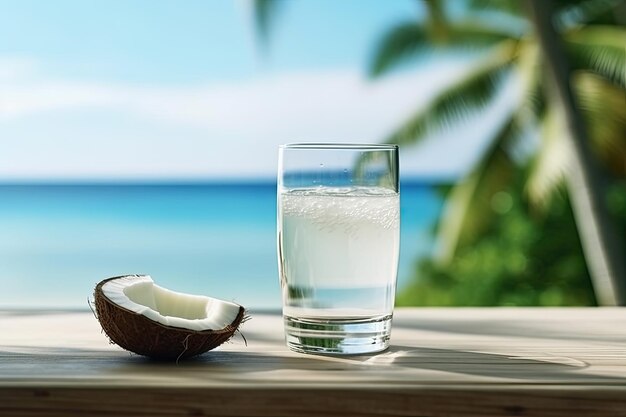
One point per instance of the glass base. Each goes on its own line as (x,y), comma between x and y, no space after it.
(338,336)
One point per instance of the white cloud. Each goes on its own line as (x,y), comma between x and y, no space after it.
(222,129)
(12,68)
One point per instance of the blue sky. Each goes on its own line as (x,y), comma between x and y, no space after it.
(162,89)
(173,42)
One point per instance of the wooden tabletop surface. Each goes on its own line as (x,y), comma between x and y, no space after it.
(442,362)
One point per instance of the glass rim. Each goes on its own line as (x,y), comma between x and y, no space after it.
(340,146)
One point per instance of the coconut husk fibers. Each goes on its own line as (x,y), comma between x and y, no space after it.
(139,334)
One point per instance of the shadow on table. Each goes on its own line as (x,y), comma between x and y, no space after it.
(396,359)
(236,365)
(536,367)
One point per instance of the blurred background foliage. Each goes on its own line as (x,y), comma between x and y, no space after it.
(508,235)
(521,259)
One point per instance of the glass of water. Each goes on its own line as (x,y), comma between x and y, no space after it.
(338,245)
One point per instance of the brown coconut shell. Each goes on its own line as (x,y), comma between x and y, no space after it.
(137,333)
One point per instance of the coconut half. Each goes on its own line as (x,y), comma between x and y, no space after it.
(149,320)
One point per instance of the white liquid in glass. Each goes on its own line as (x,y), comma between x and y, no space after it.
(338,252)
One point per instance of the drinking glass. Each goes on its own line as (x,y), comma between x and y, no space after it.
(338,244)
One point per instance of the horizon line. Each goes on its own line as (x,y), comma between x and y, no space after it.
(431,179)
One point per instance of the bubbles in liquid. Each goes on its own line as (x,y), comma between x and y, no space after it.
(339,237)
(345,206)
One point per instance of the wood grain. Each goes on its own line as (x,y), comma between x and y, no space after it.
(443,362)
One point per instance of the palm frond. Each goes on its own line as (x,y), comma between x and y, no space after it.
(437,20)
(548,169)
(532,104)
(468,210)
(411,38)
(603,106)
(513,7)
(579,12)
(476,33)
(600,49)
(460,99)
(399,43)
(264,12)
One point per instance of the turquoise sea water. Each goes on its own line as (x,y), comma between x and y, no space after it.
(58,240)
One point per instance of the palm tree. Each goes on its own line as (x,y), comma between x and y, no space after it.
(508,50)
(598,56)
(602,247)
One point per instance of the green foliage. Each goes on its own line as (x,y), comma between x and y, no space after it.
(604,110)
(470,199)
(522,259)
(601,50)
(410,38)
(494,249)
(400,42)
(569,11)
(616,202)
(580,12)
(514,7)
(597,55)
(470,93)
(264,14)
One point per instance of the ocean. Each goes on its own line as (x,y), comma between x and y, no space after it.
(218,239)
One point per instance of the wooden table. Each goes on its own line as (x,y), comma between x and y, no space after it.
(443,362)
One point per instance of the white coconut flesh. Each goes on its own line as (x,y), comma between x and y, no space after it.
(139,294)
